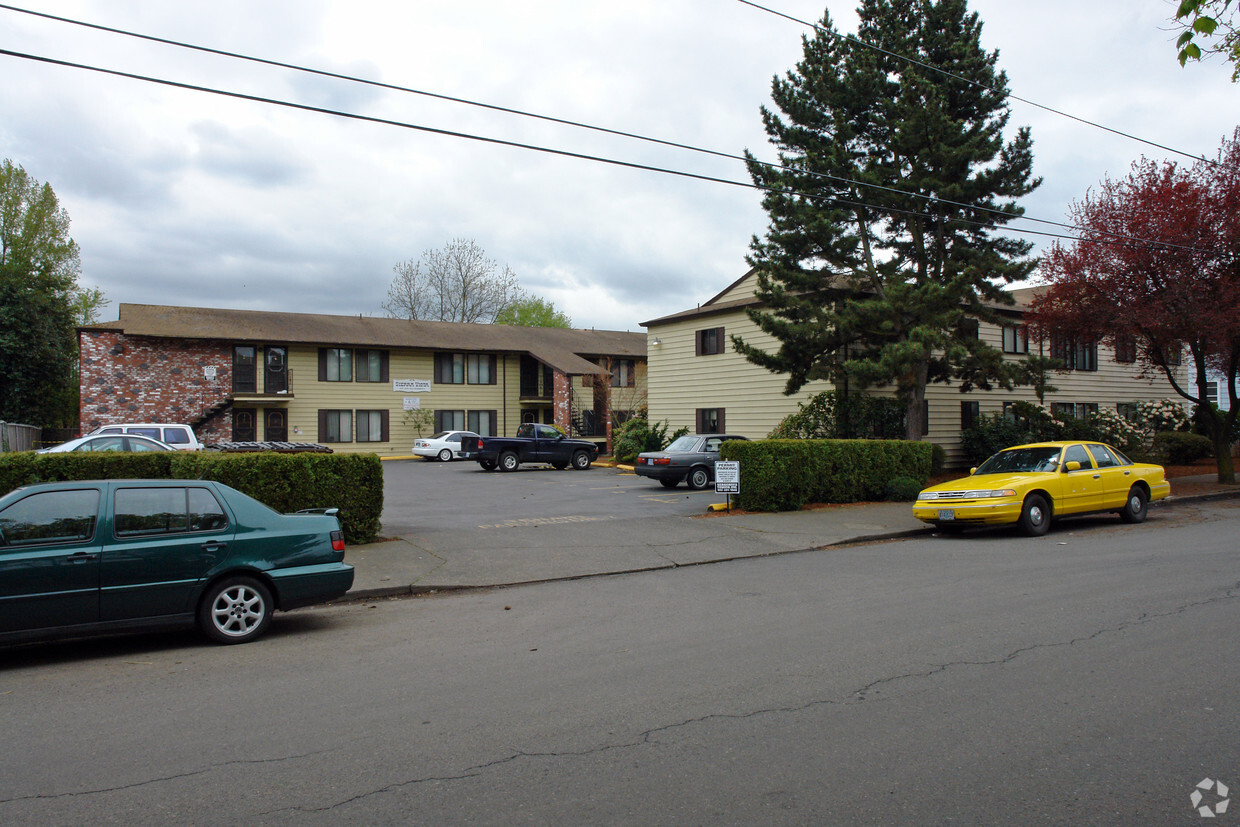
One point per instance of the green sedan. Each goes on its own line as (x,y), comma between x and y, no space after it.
(120,555)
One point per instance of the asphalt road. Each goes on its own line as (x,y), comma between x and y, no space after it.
(435,496)
(1087,677)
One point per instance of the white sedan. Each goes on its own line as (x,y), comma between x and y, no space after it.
(443,446)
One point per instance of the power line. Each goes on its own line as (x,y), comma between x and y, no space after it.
(1126,242)
(946,73)
(397,88)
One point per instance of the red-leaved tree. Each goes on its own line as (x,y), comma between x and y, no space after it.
(1156,269)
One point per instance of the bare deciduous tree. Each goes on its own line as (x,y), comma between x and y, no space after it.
(456,284)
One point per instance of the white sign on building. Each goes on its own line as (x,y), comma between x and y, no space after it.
(413,403)
(411,385)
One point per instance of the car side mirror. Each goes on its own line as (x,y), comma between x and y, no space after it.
(1072,465)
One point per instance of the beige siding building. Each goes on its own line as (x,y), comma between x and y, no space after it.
(696,380)
(350,381)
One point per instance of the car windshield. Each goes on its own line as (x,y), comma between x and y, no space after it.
(1021,460)
(684,443)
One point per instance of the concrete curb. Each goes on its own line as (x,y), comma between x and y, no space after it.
(414,590)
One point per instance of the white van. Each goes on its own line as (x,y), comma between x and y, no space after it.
(180,437)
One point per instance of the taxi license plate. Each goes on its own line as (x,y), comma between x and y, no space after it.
(947,514)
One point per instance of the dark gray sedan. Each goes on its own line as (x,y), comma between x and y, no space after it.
(690,458)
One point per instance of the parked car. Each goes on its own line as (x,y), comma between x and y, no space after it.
(534,442)
(119,555)
(690,457)
(181,437)
(1031,485)
(109,442)
(444,446)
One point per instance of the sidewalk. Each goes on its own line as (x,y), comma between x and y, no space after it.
(570,549)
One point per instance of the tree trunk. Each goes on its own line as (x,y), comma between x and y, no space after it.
(915,412)
(1222,455)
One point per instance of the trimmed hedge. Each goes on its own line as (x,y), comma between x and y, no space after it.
(285,482)
(785,474)
(1181,448)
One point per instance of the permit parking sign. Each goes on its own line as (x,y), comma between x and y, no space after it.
(727,477)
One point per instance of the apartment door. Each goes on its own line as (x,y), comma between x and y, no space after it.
(276,425)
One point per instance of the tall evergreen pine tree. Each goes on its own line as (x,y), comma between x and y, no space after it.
(881,245)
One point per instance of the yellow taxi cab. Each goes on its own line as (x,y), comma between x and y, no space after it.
(1031,485)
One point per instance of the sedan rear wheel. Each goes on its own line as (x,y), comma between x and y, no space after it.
(445,455)
(1136,507)
(1035,516)
(235,610)
(698,479)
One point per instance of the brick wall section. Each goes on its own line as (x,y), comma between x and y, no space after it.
(562,400)
(144,379)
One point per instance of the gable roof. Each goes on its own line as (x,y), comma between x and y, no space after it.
(567,350)
(738,298)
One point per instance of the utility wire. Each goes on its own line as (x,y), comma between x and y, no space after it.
(396,88)
(1130,242)
(946,73)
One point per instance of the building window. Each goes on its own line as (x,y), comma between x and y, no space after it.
(710,420)
(1128,410)
(1016,339)
(1009,413)
(245,377)
(372,365)
(1212,393)
(1073,410)
(335,364)
(970,412)
(623,373)
(449,420)
(1174,353)
(1126,350)
(480,369)
(460,368)
(482,423)
(1075,355)
(709,341)
(1084,409)
(335,426)
(925,417)
(372,426)
(449,368)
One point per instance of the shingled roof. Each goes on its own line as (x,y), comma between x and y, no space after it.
(567,350)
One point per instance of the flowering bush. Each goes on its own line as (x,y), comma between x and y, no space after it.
(1162,415)
(1114,429)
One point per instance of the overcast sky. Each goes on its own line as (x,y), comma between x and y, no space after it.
(186,198)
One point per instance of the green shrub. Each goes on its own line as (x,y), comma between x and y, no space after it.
(637,435)
(785,474)
(1181,447)
(290,482)
(903,489)
(828,415)
(285,482)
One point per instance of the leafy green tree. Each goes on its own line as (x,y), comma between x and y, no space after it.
(533,312)
(881,255)
(39,266)
(1209,19)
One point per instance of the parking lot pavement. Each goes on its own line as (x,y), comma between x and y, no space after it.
(422,496)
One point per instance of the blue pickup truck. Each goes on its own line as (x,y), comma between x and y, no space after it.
(534,442)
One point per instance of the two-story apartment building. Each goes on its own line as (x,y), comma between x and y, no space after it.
(349,381)
(696,380)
